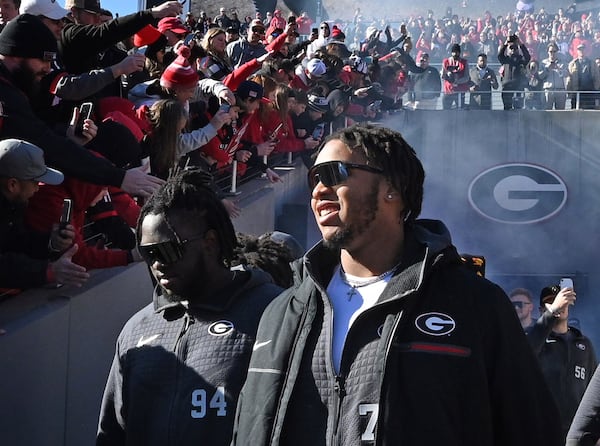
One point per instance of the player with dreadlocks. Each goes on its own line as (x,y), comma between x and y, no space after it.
(385,330)
(180,362)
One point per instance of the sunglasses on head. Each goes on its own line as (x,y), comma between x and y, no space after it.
(165,252)
(333,173)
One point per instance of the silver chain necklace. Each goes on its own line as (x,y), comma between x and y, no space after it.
(353,284)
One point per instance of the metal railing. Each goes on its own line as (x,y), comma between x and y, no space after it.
(527,99)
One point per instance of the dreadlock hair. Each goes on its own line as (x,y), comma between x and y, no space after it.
(387,149)
(189,191)
(266,254)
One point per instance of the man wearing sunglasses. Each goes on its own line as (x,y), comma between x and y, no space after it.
(388,338)
(181,361)
(523,303)
(250,47)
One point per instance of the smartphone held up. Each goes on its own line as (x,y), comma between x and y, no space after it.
(566,282)
(85,112)
(65,215)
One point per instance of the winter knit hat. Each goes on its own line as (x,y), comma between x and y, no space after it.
(318,103)
(27,36)
(180,73)
(337,33)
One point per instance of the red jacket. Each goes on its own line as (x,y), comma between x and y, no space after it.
(288,142)
(44,210)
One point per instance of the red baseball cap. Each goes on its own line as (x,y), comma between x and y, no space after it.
(172,24)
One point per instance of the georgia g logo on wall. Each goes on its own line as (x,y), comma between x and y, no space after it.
(220,328)
(435,324)
(517,193)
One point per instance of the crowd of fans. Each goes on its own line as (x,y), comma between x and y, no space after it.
(228,95)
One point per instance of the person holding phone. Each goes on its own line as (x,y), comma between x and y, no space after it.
(27,49)
(566,356)
(29,259)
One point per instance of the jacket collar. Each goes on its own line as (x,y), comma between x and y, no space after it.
(426,243)
(242,282)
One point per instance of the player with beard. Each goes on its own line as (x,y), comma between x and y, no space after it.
(27,48)
(386,336)
(181,361)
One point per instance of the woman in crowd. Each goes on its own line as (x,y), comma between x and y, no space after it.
(216,64)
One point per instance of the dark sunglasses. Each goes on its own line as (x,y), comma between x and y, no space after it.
(258,30)
(333,173)
(520,304)
(165,252)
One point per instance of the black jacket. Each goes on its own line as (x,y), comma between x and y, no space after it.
(567,361)
(440,359)
(23,253)
(82,47)
(177,372)
(20,122)
(427,85)
(585,429)
(513,69)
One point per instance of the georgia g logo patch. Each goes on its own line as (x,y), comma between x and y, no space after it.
(435,324)
(220,328)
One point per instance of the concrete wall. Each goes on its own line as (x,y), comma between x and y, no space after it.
(56,350)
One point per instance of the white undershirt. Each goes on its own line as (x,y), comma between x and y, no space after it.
(345,311)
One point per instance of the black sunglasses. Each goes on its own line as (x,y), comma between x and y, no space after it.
(258,30)
(333,173)
(520,304)
(165,252)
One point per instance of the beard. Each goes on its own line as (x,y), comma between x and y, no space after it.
(368,211)
(27,80)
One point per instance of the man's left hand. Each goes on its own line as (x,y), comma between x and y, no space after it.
(61,239)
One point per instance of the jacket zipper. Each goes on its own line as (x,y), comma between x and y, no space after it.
(384,373)
(286,378)
(188,320)
(339,388)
